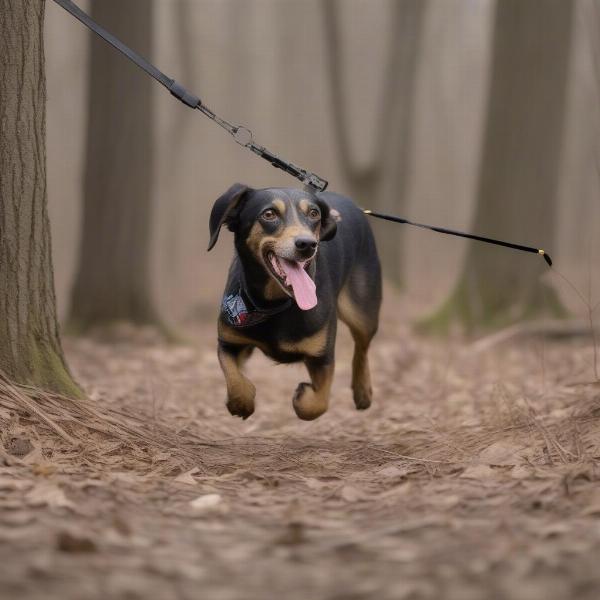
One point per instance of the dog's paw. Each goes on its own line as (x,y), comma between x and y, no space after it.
(362,397)
(240,407)
(307,404)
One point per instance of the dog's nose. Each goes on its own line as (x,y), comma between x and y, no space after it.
(304,244)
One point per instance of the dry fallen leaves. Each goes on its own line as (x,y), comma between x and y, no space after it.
(207,503)
(441,479)
(74,543)
(9,483)
(47,493)
(479,472)
(350,493)
(188,477)
(503,452)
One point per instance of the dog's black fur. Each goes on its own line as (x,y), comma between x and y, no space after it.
(331,232)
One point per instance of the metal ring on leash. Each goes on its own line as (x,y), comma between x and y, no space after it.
(242,136)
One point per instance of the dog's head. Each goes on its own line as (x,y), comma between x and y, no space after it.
(281,228)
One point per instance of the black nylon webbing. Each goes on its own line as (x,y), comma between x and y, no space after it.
(242,135)
(470,236)
(175,88)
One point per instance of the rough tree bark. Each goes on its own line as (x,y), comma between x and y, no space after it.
(382,183)
(113,274)
(518,179)
(30,348)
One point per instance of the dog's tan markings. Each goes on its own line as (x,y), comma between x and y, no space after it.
(313,345)
(244,355)
(255,238)
(292,232)
(230,335)
(361,377)
(312,400)
(240,390)
(295,230)
(303,205)
(362,332)
(351,314)
(283,243)
(280,205)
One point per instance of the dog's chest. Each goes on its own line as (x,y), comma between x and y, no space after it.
(280,340)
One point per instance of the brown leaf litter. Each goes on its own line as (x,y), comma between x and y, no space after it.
(473,475)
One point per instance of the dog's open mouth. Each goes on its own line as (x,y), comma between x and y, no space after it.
(292,276)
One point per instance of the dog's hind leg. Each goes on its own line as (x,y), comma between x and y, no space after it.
(312,399)
(361,315)
(240,390)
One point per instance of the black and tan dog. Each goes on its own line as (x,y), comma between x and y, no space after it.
(301,261)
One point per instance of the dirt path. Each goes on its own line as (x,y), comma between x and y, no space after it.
(475,474)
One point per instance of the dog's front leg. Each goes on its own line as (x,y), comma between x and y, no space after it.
(240,390)
(312,399)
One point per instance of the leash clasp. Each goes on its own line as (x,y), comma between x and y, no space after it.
(315,183)
(245,138)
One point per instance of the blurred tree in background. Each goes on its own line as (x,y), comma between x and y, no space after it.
(383,182)
(113,276)
(520,167)
(30,347)
(170,256)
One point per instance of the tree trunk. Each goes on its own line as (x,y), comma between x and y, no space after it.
(383,183)
(171,250)
(113,275)
(519,173)
(30,348)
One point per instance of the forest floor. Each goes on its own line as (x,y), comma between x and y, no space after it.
(475,474)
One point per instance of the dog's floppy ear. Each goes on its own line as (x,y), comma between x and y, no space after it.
(224,210)
(328,221)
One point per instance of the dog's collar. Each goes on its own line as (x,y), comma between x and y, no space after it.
(240,310)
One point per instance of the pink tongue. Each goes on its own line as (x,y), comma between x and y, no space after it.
(305,290)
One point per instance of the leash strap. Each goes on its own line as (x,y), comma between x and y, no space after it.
(242,135)
(175,88)
(470,236)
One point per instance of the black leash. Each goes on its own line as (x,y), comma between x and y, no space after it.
(244,137)
(471,236)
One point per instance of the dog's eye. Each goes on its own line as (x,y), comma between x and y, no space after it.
(314,213)
(269,215)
